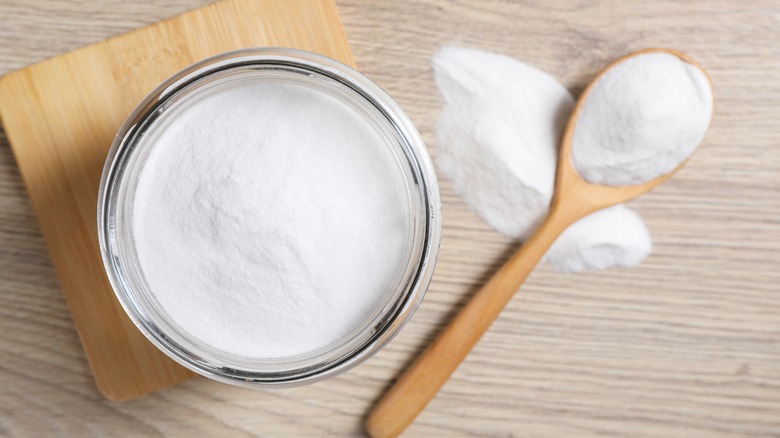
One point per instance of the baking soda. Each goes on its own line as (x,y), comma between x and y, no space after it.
(270,220)
(497,140)
(641,119)
(614,236)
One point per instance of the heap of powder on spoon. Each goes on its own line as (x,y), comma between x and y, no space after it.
(642,119)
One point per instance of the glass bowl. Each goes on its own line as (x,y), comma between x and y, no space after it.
(132,146)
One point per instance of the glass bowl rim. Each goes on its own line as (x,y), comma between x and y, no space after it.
(426,184)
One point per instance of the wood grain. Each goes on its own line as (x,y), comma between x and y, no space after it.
(686,344)
(61,116)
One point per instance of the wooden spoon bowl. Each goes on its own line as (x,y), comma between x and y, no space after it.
(573,199)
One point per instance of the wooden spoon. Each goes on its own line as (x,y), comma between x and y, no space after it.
(574,198)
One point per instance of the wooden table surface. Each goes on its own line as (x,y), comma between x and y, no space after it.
(686,344)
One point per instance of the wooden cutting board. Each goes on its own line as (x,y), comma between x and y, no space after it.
(61,116)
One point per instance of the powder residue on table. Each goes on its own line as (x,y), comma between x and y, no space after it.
(270,220)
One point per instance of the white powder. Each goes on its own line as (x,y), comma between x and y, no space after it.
(614,236)
(497,142)
(270,220)
(641,120)
(497,135)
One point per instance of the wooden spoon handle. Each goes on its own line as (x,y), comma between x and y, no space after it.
(422,380)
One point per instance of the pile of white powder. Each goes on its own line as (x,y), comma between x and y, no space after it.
(641,119)
(497,139)
(270,220)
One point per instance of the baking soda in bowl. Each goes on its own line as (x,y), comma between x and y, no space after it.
(265,241)
(270,218)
